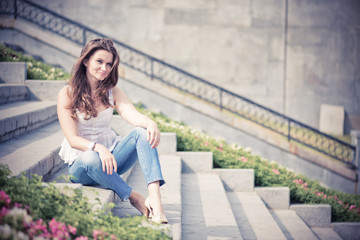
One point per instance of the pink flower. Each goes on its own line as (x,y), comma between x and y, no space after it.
(113,237)
(325,196)
(221,145)
(206,143)
(298,181)
(4,211)
(352,207)
(243,159)
(72,229)
(220,149)
(340,202)
(18,205)
(99,233)
(4,198)
(276,171)
(82,238)
(58,230)
(39,228)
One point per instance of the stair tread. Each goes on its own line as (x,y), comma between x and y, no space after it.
(206,211)
(12,91)
(253,218)
(23,107)
(24,152)
(292,225)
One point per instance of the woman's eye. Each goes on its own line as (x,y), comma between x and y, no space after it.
(99,61)
(109,65)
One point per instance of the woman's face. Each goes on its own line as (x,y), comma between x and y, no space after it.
(98,66)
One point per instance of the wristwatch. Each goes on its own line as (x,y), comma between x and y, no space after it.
(91,146)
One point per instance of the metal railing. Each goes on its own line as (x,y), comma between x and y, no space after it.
(175,77)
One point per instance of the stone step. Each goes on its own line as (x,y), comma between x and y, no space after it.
(252,216)
(318,218)
(20,117)
(196,162)
(206,211)
(291,225)
(326,233)
(12,93)
(35,152)
(170,192)
(13,72)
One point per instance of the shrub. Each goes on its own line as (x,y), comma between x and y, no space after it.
(35,69)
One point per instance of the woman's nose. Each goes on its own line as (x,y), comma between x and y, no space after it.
(103,67)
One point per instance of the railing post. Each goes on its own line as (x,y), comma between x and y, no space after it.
(355,140)
(289,129)
(151,69)
(84,37)
(15,9)
(221,102)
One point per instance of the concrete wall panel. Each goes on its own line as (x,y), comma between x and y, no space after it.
(289,55)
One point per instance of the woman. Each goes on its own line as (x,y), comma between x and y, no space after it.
(95,154)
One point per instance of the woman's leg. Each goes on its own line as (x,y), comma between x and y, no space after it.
(134,146)
(87,170)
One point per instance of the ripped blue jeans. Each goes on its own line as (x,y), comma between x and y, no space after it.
(87,169)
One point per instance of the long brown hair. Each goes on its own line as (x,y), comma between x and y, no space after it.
(80,93)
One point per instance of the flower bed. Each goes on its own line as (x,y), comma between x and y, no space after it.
(30,210)
(345,207)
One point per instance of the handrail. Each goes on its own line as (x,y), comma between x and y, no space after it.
(178,78)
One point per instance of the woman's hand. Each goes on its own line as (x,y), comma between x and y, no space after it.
(107,159)
(153,134)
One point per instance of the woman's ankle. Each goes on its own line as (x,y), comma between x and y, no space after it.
(137,201)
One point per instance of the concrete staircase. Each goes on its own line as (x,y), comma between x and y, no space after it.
(200,202)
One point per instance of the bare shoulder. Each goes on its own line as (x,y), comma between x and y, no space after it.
(117,92)
(63,96)
(119,95)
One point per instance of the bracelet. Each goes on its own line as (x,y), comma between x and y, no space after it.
(91,146)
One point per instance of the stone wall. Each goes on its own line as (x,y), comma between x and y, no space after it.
(289,55)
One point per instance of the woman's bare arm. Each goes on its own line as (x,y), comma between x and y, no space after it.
(130,114)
